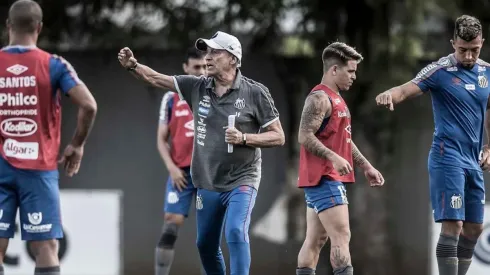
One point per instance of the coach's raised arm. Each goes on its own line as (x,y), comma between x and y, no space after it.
(148,75)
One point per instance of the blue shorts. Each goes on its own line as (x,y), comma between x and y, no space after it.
(179,202)
(456,193)
(325,195)
(36,195)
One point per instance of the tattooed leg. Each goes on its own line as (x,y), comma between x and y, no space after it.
(336,223)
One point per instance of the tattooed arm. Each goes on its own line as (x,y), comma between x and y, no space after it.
(317,107)
(359,159)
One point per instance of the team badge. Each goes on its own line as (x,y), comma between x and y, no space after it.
(199,204)
(482,81)
(239,103)
(456,201)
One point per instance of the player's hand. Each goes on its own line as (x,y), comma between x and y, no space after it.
(374,177)
(178,178)
(233,136)
(126,58)
(385,99)
(485,158)
(341,165)
(71,159)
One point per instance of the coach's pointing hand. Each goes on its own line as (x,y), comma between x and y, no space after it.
(126,58)
(385,99)
(233,136)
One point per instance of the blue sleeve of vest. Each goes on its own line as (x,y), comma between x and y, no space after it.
(63,76)
(170,105)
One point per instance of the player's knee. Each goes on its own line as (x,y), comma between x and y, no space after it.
(48,247)
(472,230)
(169,235)
(236,234)
(174,219)
(321,241)
(340,234)
(451,228)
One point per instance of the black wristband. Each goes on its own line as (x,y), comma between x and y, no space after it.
(132,68)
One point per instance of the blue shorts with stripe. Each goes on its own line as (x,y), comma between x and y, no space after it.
(325,195)
(36,195)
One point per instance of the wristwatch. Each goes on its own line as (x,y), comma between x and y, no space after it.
(133,68)
(244,137)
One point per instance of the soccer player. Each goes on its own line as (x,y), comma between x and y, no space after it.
(177,124)
(327,157)
(227,180)
(458,85)
(31,82)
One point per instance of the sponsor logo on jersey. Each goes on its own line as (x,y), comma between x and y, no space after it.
(18,127)
(17,99)
(17,82)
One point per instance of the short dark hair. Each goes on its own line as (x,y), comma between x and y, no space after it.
(339,53)
(467,28)
(193,53)
(25,15)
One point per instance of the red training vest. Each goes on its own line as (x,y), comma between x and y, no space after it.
(335,135)
(30,111)
(181,127)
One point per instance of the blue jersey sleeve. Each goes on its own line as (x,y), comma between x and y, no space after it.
(426,79)
(166,108)
(63,76)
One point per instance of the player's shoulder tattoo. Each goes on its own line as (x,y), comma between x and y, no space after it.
(314,110)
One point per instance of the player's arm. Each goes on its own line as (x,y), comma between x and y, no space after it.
(425,81)
(485,155)
(265,111)
(317,107)
(65,79)
(398,94)
(87,109)
(163,132)
(359,159)
(487,121)
(163,145)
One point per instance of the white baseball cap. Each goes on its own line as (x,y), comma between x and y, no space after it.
(222,41)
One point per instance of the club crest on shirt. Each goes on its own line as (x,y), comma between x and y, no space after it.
(239,103)
(482,81)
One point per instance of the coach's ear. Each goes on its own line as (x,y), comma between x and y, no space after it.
(184,67)
(334,69)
